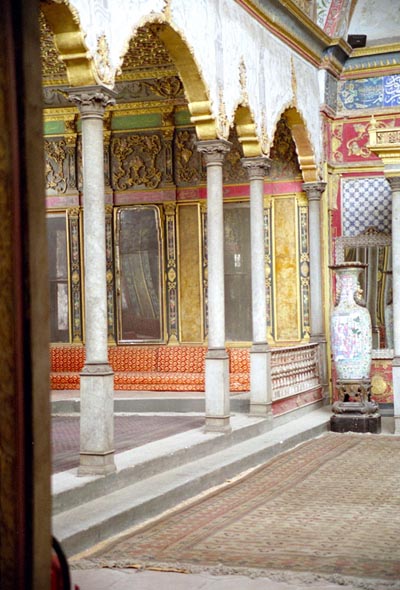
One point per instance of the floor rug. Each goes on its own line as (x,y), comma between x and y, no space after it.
(129,432)
(331,505)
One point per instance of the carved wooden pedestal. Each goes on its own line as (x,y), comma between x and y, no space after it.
(354,411)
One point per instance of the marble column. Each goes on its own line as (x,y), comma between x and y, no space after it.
(394,182)
(314,191)
(217,360)
(260,354)
(97,377)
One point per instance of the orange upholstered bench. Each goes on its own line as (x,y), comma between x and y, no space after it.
(148,368)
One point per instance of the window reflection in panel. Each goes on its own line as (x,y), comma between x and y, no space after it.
(237,268)
(140,265)
(58,275)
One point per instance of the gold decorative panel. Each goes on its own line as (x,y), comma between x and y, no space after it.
(146,51)
(190,284)
(136,161)
(286,268)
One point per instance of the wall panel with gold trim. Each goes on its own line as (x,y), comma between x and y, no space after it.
(289,268)
(190,273)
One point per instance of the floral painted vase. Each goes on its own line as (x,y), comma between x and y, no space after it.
(351,333)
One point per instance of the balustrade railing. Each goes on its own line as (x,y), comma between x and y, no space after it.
(295,370)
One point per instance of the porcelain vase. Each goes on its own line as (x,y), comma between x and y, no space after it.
(351,333)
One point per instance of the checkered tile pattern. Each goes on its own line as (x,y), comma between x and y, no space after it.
(366,202)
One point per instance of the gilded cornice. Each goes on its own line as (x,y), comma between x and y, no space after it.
(375,50)
(375,65)
(63,114)
(155,73)
(300,32)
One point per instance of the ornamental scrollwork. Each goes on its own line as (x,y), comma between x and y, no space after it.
(169,87)
(56,165)
(134,161)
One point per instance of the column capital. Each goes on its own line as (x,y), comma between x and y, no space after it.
(257,167)
(91,100)
(394,182)
(313,190)
(214,150)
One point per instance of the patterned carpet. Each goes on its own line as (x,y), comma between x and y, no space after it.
(329,506)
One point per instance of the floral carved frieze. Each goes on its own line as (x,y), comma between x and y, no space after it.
(151,89)
(137,161)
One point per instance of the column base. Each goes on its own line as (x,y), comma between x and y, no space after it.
(218,424)
(217,391)
(96,464)
(260,380)
(97,420)
(397,425)
(261,410)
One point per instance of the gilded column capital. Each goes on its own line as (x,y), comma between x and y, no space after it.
(257,167)
(214,150)
(73,211)
(169,208)
(91,100)
(313,190)
(394,182)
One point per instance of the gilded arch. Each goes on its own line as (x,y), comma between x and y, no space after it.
(70,43)
(304,147)
(246,130)
(195,89)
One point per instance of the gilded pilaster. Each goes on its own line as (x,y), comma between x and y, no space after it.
(304,272)
(269,293)
(110,276)
(203,212)
(70,148)
(172,274)
(107,147)
(168,137)
(75,270)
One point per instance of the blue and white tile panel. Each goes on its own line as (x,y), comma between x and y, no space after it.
(366,202)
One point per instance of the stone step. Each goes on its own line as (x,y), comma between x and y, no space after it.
(148,460)
(178,404)
(95,520)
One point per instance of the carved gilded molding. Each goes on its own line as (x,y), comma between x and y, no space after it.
(385,143)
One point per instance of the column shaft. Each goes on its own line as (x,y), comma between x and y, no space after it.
(97,378)
(260,354)
(217,361)
(314,191)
